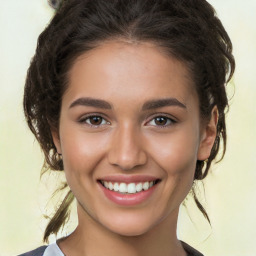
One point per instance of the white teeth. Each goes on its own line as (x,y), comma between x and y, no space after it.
(110,186)
(123,188)
(145,186)
(116,187)
(106,184)
(139,187)
(130,188)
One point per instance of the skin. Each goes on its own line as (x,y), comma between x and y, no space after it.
(129,141)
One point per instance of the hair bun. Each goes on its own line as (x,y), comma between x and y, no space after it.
(55,4)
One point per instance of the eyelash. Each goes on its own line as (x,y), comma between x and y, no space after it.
(85,118)
(169,120)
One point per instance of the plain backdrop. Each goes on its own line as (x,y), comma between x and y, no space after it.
(230,189)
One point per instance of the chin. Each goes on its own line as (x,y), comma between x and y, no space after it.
(130,230)
(130,225)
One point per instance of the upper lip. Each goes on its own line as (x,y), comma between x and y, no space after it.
(128,178)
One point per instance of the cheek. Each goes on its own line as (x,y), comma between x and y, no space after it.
(175,153)
(81,152)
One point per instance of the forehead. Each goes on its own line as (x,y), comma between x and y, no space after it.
(130,71)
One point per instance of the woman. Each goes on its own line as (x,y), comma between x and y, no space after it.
(128,98)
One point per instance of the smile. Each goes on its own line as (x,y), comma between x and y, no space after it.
(128,188)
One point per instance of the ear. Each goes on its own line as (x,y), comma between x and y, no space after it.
(56,140)
(208,135)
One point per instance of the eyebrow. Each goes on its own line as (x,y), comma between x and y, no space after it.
(91,102)
(158,103)
(151,104)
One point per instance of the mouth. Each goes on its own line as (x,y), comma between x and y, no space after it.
(128,188)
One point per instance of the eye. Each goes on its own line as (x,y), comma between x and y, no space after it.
(161,121)
(94,120)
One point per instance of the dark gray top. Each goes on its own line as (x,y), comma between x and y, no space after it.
(37,252)
(40,251)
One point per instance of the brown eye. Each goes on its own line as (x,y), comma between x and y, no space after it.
(95,120)
(161,120)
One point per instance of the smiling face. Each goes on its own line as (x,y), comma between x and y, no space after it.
(130,136)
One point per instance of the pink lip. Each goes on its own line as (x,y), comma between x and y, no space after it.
(128,199)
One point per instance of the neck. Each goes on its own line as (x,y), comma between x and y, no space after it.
(91,238)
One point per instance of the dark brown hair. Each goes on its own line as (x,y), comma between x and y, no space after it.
(188,30)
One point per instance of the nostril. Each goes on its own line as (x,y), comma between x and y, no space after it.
(127,160)
(126,149)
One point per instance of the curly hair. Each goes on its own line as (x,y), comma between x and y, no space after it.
(187,30)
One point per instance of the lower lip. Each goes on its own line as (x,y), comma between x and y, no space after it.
(128,199)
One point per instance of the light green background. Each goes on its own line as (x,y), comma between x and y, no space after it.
(230,190)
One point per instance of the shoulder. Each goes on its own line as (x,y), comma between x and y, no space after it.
(190,250)
(37,252)
(40,251)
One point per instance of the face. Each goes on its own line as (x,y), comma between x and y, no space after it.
(130,136)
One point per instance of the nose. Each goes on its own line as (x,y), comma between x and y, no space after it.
(126,149)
